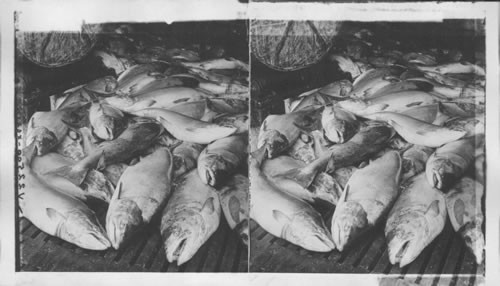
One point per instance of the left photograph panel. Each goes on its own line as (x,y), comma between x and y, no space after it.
(132,147)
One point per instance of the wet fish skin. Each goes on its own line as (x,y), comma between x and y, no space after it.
(107,122)
(235,205)
(104,85)
(414,160)
(372,80)
(160,98)
(279,132)
(368,141)
(416,219)
(186,128)
(57,213)
(449,162)
(47,129)
(186,157)
(368,195)
(338,125)
(323,187)
(220,63)
(191,216)
(471,125)
(238,121)
(287,217)
(464,209)
(337,89)
(221,159)
(141,192)
(395,102)
(140,134)
(135,77)
(416,131)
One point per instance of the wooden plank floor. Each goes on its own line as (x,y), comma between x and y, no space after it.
(223,252)
(445,255)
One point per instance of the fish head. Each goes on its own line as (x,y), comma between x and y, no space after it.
(407,239)
(348,224)
(306,229)
(184,235)
(443,173)
(474,239)
(108,127)
(213,169)
(83,229)
(275,142)
(122,220)
(43,139)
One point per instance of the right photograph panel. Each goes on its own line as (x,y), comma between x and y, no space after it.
(367,146)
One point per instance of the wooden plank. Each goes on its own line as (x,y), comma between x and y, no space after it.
(383,265)
(230,252)
(216,249)
(153,246)
(373,254)
(453,258)
(419,264)
(241,263)
(468,265)
(438,257)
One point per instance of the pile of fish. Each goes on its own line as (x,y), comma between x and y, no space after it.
(165,138)
(398,146)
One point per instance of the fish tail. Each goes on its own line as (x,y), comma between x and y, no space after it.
(300,175)
(74,175)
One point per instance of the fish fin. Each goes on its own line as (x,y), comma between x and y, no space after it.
(54,214)
(101,164)
(134,161)
(208,205)
(433,208)
(259,154)
(29,152)
(346,192)
(418,103)
(118,190)
(392,79)
(281,217)
(375,108)
(69,172)
(234,208)
(141,105)
(302,178)
(459,211)
(423,85)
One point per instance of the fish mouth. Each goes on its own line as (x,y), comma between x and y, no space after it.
(402,251)
(180,247)
(276,143)
(474,239)
(320,242)
(210,177)
(96,241)
(122,220)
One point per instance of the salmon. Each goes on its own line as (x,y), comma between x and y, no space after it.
(142,191)
(107,122)
(284,215)
(449,162)
(186,128)
(416,219)
(338,125)
(221,159)
(279,132)
(56,213)
(234,200)
(191,216)
(417,131)
(368,196)
(464,209)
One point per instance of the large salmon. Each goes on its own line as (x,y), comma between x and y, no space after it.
(368,196)
(466,215)
(417,217)
(284,215)
(191,216)
(141,192)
